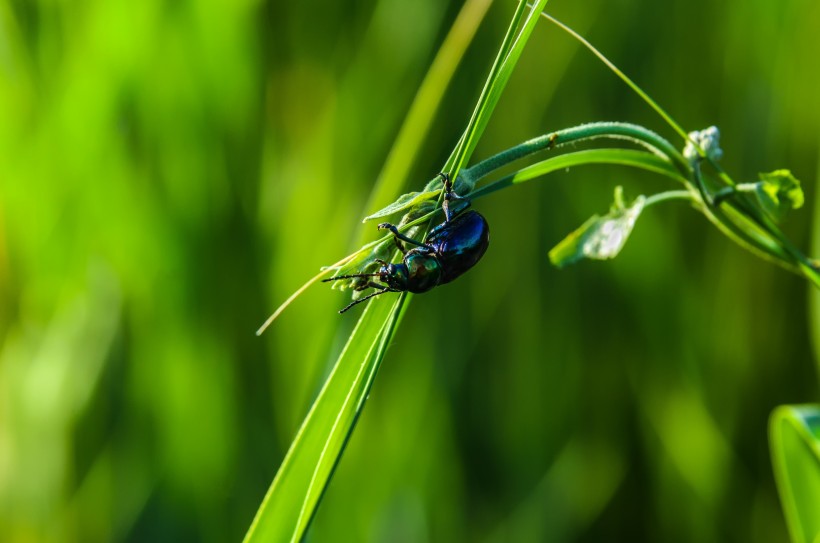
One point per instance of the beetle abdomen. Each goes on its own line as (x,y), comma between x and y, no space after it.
(460,243)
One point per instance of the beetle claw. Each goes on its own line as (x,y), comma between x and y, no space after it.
(445,177)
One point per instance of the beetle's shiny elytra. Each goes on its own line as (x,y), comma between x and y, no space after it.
(449,250)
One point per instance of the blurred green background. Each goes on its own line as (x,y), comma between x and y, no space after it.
(171,171)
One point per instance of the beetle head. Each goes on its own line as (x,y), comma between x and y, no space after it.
(395,275)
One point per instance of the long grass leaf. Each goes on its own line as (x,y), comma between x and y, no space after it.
(291,501)
(302,479)
(794,437)
(426,102)
(508,55)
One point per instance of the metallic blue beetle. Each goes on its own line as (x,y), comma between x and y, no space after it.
(449,250)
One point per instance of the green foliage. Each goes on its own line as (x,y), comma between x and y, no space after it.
(294,495)
(794,434)
(171,171)
(778,192)
(600,238)
(603,238)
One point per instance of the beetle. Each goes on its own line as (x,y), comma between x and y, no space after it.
(448,251)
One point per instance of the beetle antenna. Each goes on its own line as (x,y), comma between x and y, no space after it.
(354,276)
(360,300)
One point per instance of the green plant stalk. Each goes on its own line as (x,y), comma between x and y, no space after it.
(632,85)
(667,196)
(790,257)
(762,247)
(640,92)
(612,130)
(741,228)
(734,212)
(623,157)
(807,267)
(649,162)
(739,220)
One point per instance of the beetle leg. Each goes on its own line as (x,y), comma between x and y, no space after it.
(449,194)
(399,236)
(399,246)
(445,178)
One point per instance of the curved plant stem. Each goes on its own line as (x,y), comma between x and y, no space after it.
(623,157)
(667,196)
(612,130)
(778,246)
(634,86)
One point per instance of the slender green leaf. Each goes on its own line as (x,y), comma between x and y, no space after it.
(291,500)
(499,76)
(295,493)
(794,437)
(426,102)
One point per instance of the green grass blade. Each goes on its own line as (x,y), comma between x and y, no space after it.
(631,84)
(500,74)
(296,491)
(427,101)
(292,499)
(506,43)
(794,436)
(294,495)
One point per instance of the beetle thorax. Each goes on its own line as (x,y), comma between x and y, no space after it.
(423,271)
